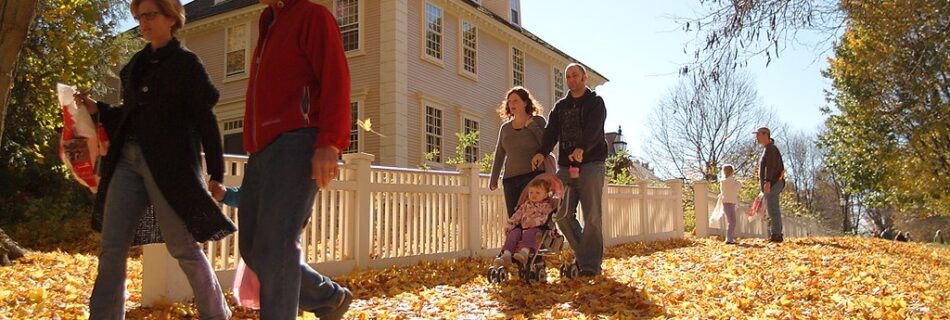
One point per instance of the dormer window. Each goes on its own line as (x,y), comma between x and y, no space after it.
(516,12)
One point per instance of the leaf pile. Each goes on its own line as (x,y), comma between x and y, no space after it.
(812,278)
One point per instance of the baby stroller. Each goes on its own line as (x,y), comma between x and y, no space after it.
(550,243)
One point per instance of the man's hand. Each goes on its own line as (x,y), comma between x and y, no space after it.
(323,166)
(577,155)
(217,190)
(536,161)
(493,185)
(767,187)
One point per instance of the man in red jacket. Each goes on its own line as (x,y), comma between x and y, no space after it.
(297,120)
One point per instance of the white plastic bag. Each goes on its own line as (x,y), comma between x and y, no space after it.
(758,208)
(82,142)
(717,212)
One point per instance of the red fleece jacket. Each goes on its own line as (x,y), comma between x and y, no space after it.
(299,78)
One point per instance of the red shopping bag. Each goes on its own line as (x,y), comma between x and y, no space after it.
(83,142)
(757,209)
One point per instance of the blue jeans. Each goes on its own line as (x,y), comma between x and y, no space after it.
(276,197)
(774,208)
(130,190)
(588,188)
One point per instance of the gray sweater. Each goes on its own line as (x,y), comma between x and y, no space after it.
(515,148)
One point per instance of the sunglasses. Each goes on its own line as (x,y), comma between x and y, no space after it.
(147,16)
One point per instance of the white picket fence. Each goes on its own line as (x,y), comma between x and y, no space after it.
(377,217)
(705,202)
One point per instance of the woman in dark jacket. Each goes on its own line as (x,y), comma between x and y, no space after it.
(151,188)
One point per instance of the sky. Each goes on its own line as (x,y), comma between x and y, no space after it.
(638,45)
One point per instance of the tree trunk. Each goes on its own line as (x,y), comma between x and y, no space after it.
(16,16)
(9,249)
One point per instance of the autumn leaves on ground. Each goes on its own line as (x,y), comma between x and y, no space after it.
(817,278)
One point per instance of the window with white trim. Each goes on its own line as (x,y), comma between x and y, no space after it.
(558,83)
(233,135)
(469,47)
(471,152)
(354,128)
(348,19)
(236,56)
(434,132)
(515,12)
(433,31)
(517,67)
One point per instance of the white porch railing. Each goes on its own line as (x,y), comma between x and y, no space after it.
(705,203)
(377,217)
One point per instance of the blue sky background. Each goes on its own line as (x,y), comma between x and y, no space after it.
(638,45)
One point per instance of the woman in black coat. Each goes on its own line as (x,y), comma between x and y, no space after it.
(151,188)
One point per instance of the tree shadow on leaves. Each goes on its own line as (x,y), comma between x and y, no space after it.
(389,282)
(593,297)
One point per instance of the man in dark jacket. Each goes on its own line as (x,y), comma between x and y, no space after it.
(771,180)
(576,124)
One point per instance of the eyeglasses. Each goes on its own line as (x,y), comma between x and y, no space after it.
(147,16)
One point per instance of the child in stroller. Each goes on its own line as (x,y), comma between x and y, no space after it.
(533,219)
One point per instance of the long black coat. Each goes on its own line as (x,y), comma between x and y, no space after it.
(169,112)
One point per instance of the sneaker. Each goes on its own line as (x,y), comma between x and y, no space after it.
(340,309)
(522,256)
(503,260)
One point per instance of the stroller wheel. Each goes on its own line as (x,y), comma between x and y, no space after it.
(569,271)
(542,274)
(531,277)
(492,275)
(572,271)
(502,275)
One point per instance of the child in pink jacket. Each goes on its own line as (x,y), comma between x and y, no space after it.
(523,225)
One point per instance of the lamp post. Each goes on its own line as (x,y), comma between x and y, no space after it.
(620,143)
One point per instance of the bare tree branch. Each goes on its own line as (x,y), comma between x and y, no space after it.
(701,125)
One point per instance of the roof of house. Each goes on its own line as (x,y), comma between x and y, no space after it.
(530,35)
(200,9)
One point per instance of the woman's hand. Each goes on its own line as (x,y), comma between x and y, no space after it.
(82,98)
(493,185)
(536,161)
(217,190)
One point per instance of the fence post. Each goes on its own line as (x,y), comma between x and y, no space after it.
(162,278)
(676,190)
(471,224)
(358,222)
(646,219)
(608,231)
(701,208)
